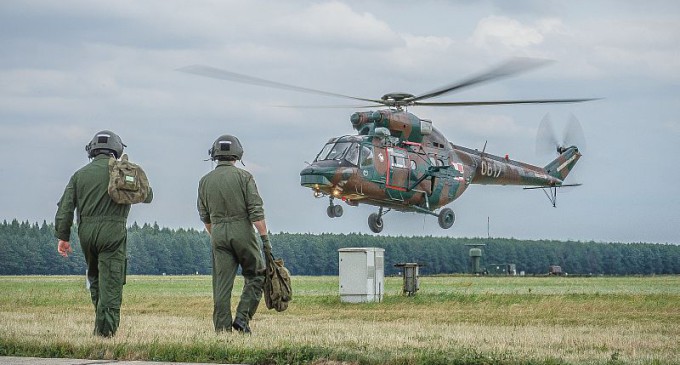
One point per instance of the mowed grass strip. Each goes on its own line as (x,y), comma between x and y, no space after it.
(456,319)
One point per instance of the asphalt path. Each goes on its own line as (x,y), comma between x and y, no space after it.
(11,360)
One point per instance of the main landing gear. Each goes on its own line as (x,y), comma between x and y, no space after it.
(375,222)
(446,218)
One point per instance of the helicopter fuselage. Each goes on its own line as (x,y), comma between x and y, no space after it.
(398,161)
(392,176)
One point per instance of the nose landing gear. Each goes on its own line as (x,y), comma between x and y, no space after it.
(334,211)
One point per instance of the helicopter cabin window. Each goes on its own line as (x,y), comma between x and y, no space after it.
(437,145)
(436,161)
(366,156)
(398,161)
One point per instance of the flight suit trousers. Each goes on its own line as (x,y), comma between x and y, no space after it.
(234,244)
(104,241)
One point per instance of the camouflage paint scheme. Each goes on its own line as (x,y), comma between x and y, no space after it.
(407,165)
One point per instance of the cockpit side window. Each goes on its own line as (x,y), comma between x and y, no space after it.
(324,152)
(366,156)
(336,151)
(353,154)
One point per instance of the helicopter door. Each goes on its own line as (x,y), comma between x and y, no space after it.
(398,170)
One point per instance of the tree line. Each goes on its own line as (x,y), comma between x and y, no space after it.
(30,249)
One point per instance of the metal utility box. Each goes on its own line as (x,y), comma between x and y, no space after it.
(410,275)
(362,274)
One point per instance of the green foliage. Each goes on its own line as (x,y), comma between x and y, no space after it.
(452,320)
(30,249)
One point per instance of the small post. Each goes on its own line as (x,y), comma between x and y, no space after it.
(410,275)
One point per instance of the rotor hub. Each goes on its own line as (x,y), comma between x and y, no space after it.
(396,98)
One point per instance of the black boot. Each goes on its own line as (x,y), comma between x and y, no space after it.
(241,326)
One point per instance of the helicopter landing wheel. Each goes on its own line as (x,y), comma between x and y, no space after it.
(334,211)
(375,223)
(446,218)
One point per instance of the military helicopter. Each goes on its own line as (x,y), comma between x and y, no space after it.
(398,161)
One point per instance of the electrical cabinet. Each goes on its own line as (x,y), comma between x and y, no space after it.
(362,274)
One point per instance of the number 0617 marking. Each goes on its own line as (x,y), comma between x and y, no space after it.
(491,169)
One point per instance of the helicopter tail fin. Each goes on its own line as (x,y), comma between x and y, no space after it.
(561,166)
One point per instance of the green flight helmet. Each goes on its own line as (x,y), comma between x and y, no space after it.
(105,141)
(227,146)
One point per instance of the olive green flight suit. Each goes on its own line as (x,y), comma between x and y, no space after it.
(103,238)
(229,201)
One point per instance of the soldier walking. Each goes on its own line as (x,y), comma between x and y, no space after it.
(229,205)
(101,228)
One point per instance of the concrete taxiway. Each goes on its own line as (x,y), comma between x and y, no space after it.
(12,360)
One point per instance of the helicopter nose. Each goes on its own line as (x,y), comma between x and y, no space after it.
(307,171)
(314,177)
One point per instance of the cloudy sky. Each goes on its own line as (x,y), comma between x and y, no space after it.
(71,68)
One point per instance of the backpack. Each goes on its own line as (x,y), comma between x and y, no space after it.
(277,289)
(128,183)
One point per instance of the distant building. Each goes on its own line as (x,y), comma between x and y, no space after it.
(555,270)
(502,269)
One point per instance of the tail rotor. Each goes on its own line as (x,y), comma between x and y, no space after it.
(547,141)
(573,134)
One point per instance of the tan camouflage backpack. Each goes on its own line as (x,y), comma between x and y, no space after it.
(128,183)
(277,289)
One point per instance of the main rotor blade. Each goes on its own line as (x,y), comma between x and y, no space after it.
(328,106)
(512,67)
(502,102)
(217,73)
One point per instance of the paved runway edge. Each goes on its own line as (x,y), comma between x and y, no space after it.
(12,360)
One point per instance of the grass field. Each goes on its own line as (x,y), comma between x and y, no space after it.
(452,320)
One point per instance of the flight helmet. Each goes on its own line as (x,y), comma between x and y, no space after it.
(105,141)
(226,145)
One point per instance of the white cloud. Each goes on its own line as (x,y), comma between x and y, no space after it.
(672,127)
(494,31)
(335,24)
(422,53)
(636,47)
(45,135)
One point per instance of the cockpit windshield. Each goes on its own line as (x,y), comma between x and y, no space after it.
(340,150)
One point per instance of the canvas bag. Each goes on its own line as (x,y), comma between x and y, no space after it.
(277,289)
(128,183)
